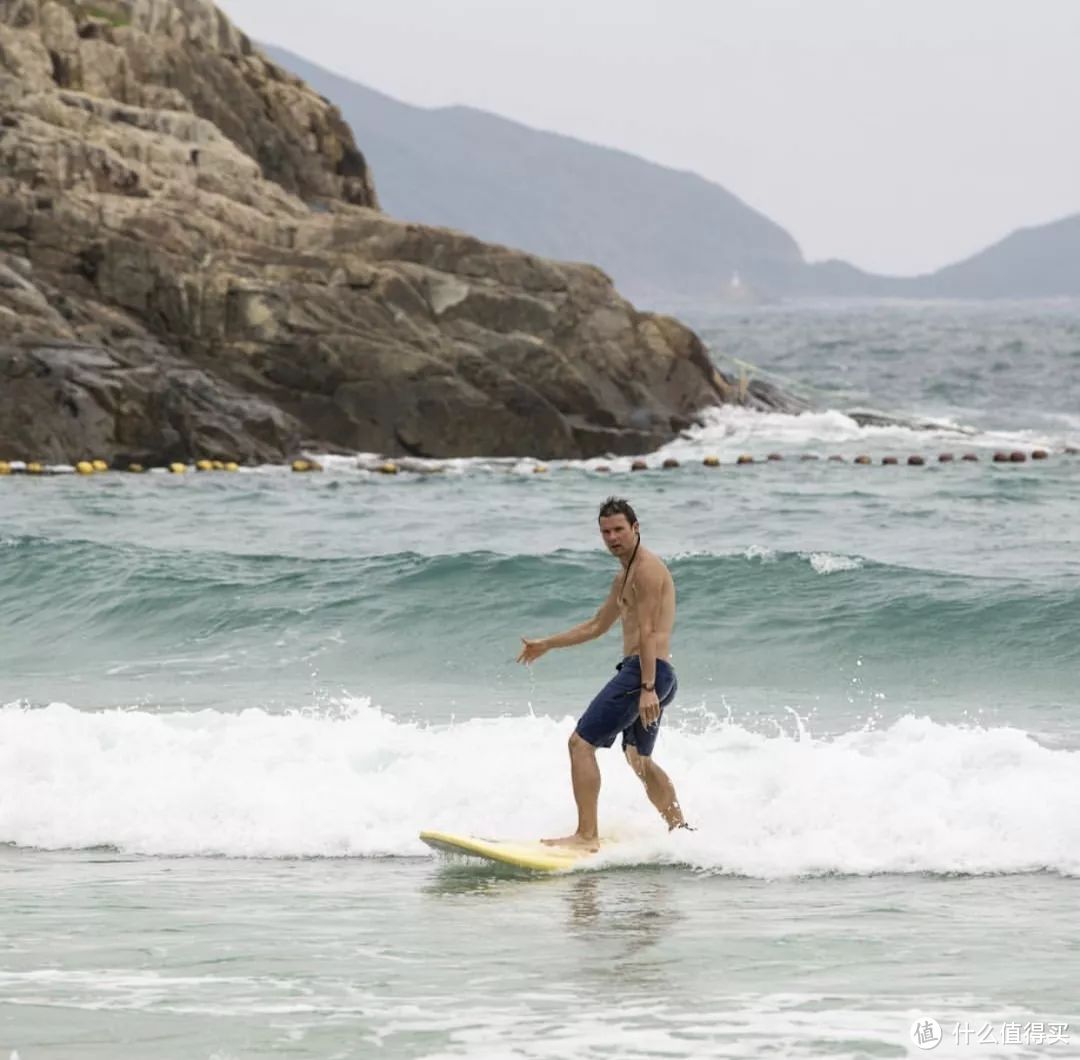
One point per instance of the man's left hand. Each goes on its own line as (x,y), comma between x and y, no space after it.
(649,707)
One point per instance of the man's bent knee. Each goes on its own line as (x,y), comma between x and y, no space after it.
(579,745)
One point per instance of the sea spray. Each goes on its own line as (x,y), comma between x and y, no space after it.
(917,796)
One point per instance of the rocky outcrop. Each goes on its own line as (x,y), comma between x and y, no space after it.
(193,263)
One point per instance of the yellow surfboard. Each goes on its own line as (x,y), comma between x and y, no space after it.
(536,856)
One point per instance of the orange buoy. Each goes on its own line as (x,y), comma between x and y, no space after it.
(862,458)
(915,461)
(945,458)
(890,460)
(1001,458)
(774,457)
(745,458)
(671,462)
(603,468)
(639,465)
(1039,454)
(836,458)
(970,457)
(807,457)
(1016,457)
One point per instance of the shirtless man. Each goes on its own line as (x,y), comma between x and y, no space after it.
(632,702)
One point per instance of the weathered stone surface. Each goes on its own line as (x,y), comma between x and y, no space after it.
(193,263)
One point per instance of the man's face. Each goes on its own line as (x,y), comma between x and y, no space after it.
(618,534)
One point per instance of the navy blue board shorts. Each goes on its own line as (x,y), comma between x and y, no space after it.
(615,708)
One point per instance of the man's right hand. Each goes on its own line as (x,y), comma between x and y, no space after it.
(531,650)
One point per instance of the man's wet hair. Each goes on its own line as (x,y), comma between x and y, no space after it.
(617,506)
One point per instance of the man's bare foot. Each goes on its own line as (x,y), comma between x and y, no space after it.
(575,842)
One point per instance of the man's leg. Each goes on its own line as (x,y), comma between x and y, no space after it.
(658,787)
(585,777)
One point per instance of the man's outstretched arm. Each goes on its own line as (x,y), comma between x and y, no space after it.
(600,623)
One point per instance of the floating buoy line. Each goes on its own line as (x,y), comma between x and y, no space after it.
(385,466)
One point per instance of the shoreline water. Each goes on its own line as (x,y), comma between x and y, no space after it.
(307,965)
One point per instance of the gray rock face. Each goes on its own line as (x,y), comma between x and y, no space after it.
(666,234)
(193,263)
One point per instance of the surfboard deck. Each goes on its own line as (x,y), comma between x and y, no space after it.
(524,855)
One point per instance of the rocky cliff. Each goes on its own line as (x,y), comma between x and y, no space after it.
(193,263)
(658,232)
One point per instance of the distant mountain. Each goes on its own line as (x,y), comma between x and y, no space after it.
(660,233)
(1038,262)
(654,230)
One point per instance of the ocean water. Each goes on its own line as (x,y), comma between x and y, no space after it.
(230,702)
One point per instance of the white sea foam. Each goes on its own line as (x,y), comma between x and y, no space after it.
(918,796)
(728,431)
(826,563)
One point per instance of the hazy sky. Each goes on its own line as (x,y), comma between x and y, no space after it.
(899,135)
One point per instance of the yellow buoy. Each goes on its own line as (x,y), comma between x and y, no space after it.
(745,458)
(99,465)
(218,465)
(178,468)
(388,468)
(231,465)
(711,461)
(34,468)
(204,465)
(84,467)
(5,468)
(540,469)
(136,469)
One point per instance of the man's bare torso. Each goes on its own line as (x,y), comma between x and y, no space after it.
(628,605)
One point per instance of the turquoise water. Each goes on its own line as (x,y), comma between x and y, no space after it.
(233,700)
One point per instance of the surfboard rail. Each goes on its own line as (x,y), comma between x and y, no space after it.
(539,857)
